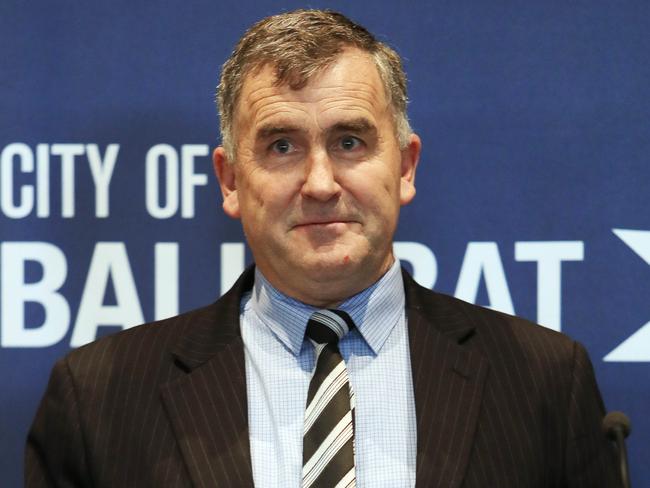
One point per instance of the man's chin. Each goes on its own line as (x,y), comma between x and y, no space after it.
(331,266)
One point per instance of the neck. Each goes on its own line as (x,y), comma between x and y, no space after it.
(328,293)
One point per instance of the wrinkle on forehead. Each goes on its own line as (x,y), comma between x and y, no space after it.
(345,85)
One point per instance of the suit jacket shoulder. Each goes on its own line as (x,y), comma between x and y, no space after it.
(515,403)
(161,404)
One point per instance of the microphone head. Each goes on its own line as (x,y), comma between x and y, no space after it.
(615,421)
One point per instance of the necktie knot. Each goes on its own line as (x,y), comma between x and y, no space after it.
(328,326)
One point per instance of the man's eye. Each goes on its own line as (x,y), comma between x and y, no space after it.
(349,143)
(282,146)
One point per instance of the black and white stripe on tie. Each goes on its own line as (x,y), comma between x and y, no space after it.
(328,436)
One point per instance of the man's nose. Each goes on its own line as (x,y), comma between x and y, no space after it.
(320,181)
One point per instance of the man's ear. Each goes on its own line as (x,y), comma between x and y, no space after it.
(225,171)
(410,158)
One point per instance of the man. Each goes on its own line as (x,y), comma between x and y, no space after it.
(317,159)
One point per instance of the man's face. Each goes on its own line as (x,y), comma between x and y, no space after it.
(319,179)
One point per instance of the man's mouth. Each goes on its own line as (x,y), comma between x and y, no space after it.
(322,223)
(323,220)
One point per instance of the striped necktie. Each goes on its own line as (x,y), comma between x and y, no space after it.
(328,435)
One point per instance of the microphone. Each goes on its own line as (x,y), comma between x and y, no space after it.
(617,427)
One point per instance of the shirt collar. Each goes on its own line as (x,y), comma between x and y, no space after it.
(375,310)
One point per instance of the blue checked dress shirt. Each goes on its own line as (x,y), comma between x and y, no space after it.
(279,365)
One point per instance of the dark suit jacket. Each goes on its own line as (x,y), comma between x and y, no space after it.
(500,403)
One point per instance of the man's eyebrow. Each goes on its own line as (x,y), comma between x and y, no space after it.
(270,130)
(359,125)
(355,125)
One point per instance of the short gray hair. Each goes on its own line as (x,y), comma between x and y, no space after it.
(298,45)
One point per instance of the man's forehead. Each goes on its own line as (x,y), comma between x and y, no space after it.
(352,76)
(298,74)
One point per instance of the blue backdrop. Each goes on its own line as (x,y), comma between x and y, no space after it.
(533,188)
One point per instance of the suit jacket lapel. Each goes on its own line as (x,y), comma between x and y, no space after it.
(208,406)
(448,379)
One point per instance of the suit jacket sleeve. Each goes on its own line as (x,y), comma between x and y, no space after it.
(55,454)
(590,456)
